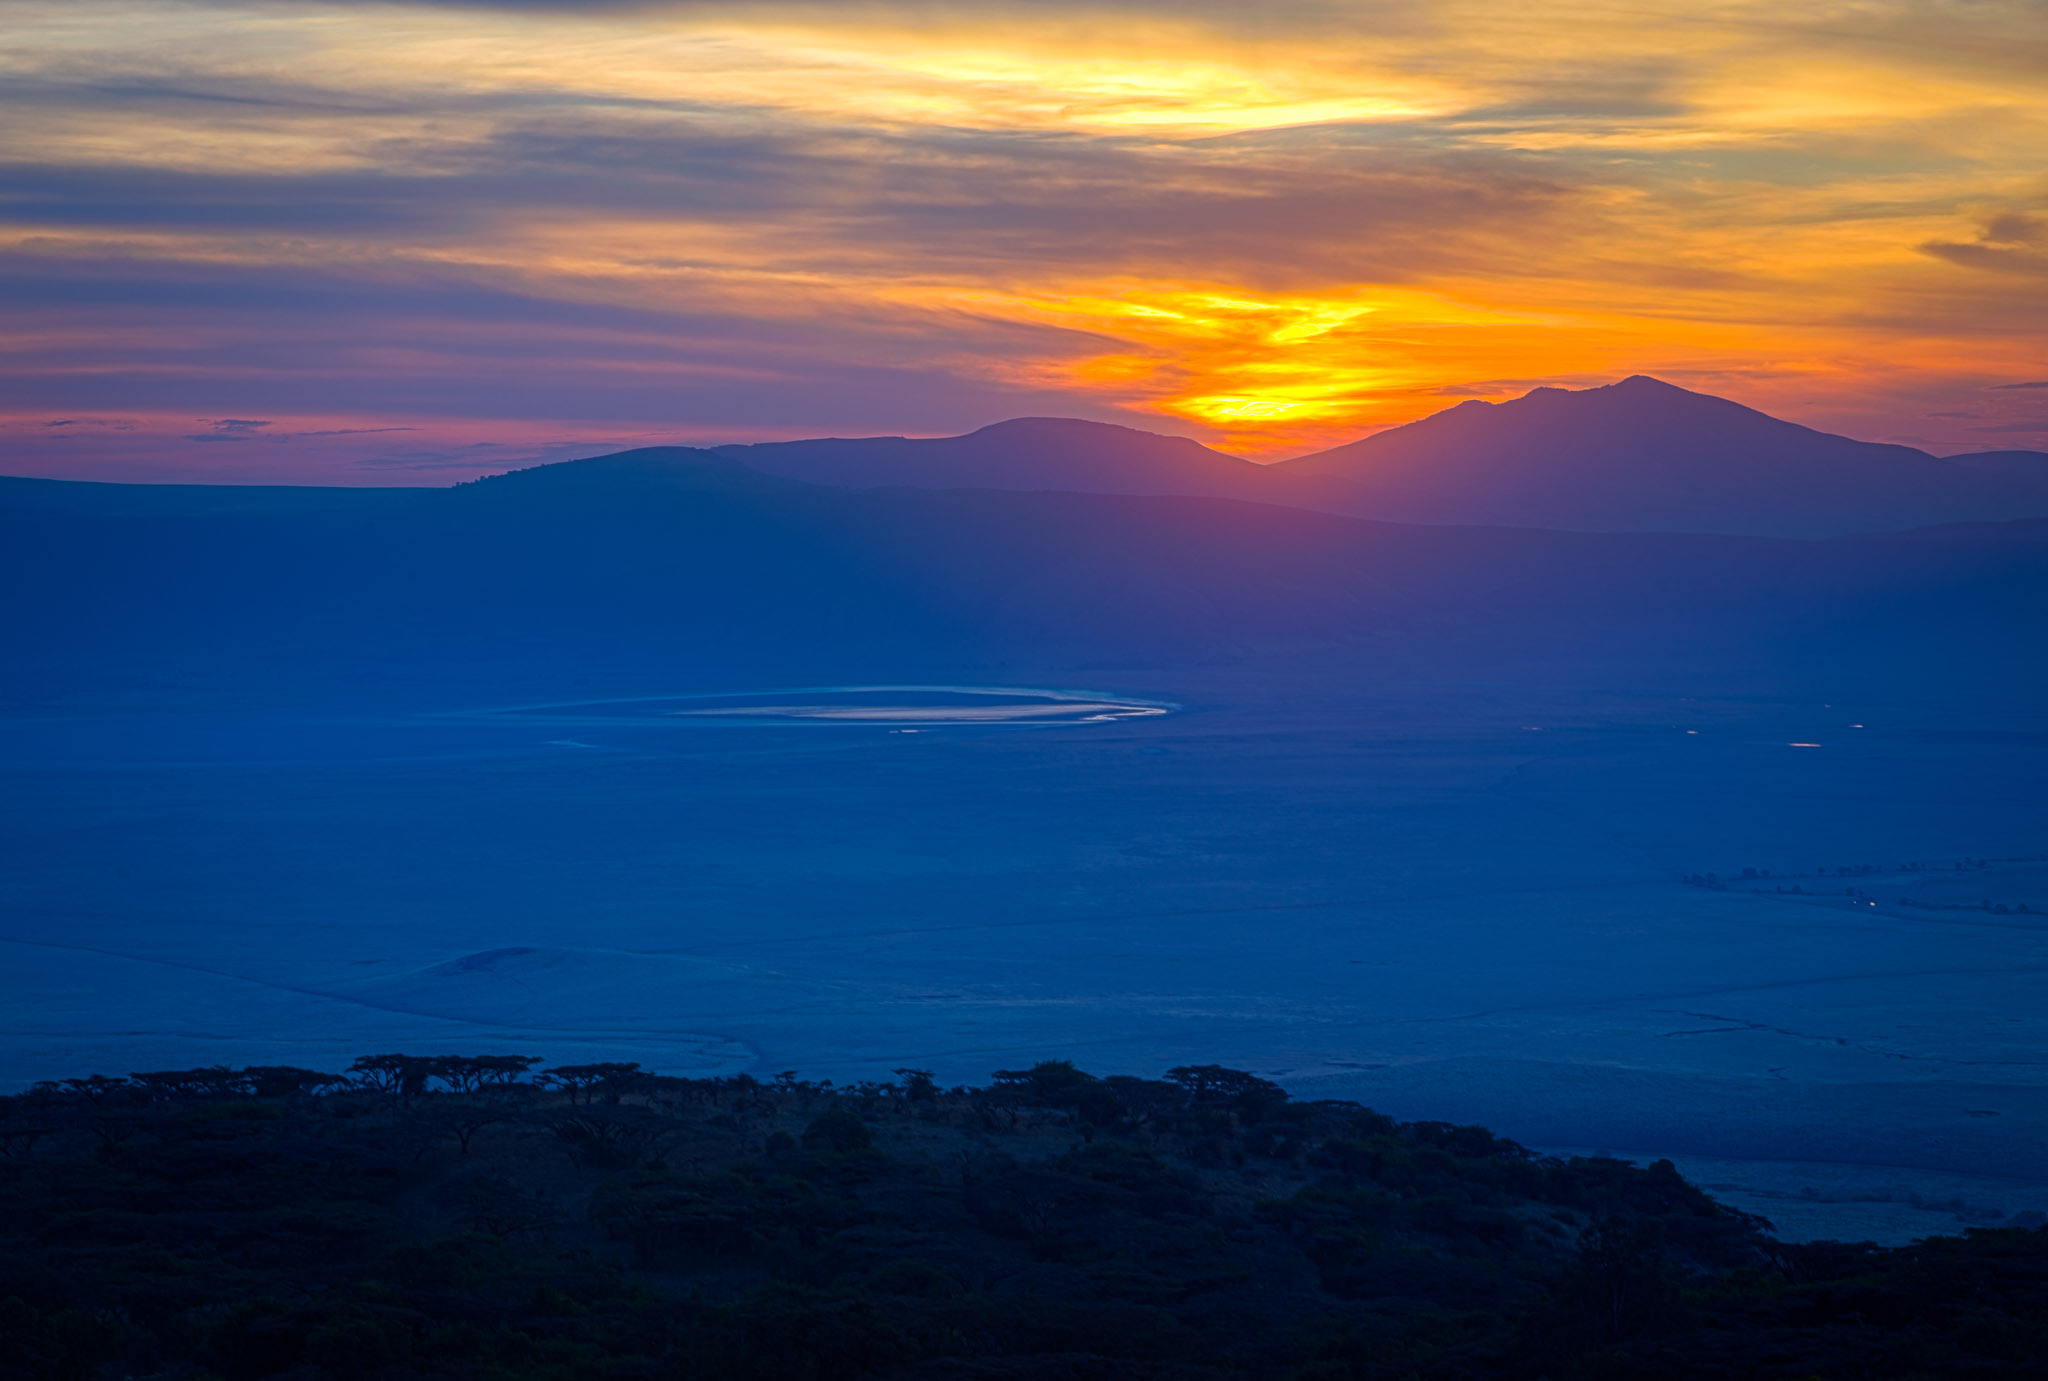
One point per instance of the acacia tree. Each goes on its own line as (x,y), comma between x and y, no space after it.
(407,1075)
(1049,1081)
(467,1073)
(919,1085)
(1248,1093)
(462,1116)
(404,1075)
(282,1081)
(96,1089)
(213,1081)
(599,1138)
(612,1078)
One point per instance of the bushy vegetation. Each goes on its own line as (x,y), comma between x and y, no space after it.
(469,1217)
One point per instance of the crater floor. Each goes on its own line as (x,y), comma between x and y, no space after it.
(1467,903)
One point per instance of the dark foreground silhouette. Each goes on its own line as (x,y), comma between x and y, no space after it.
(469,1217)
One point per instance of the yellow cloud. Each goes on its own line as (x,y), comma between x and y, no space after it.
(1011,88)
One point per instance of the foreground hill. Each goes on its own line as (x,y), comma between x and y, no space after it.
(1637,456)
(689,567)
(449,1217)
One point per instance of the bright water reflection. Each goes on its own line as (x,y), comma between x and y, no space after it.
(896,706)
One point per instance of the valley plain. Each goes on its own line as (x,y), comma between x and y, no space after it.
(1450,901)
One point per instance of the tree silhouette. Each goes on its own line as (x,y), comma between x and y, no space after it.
(214,1081)
(612,1079)
(610,1137)
(919,1085)
(282,1081)
(1053,1082)
(95,1089)
(467,1073)
(1214,1084)
(404,1075)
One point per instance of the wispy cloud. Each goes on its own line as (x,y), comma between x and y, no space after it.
(248,429)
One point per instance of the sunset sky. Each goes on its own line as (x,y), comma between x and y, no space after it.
(410,243)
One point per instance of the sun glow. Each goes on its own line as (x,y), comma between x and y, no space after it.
(1271,372)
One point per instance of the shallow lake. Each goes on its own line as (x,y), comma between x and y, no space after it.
(898,706)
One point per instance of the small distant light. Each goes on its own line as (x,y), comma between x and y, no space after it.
(1692,731)
(1533,728)
(1855,726)
(1802,745)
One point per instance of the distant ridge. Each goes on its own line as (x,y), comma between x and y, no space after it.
(1645,455)
(1028,453)
(686,468)
(1638,455)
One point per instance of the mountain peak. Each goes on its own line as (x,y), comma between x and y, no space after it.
(1636,388)
(1079,431)
(1644,454)
(1053,424)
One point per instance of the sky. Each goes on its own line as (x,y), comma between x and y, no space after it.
(409,243)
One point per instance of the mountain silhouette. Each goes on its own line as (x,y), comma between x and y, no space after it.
(1640,455)
(1031,453)
(650,469)
(1643,455)
(2030,467)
